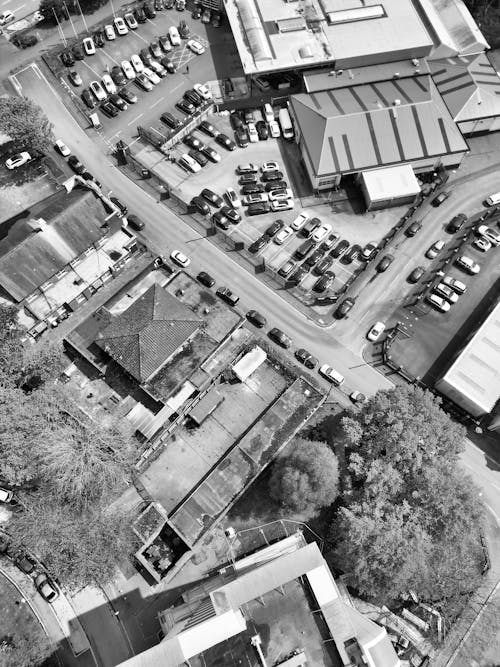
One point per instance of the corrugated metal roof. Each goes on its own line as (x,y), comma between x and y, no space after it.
(364,127)
(463,33)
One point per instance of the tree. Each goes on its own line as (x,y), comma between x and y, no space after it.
(11,345)
(79,548)
(52,8)
(306,479)
(25,123)
(24,649)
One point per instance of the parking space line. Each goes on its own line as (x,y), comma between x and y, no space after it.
(134,120)
(91,69)
(158,132)
(108,55)
(115,135)
(179,85)
(141,37)
(157,102)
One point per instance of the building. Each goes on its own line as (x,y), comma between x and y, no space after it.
(288,590)
(473,380)
(248,363)
(58,253)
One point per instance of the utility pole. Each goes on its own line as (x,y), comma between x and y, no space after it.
(70,19)
(61,31)
(83,17)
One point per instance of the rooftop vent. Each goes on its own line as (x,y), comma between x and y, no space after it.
(305,52)
(396,103)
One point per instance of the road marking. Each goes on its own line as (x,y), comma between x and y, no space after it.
(110,57)
(92,70)
(115,135)
(178,86)
(495,515)
(20,7)
(134,141)
(158,132)
(134,120)
(141,37)
(157,102)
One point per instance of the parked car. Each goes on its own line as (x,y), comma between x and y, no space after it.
(75,79)
(368,252)
(299,221)
(135,222)
(140,15)
(180,258)
(46,587)
(136,63)
(184,30)
(205,279)
(146,57)
(456,223)
(241,136)
(185,107)
(232,215)
(376,331)
(225,141)
(98,38)
(156,50)
(249,179)
(331,375)
(254,197)
(489,233)
(270,165)
(274,228)
(283,235)
(211,153)
(306,358)
(143,82)
(67,58)
(212,197)
(340,248)
(344,307)
(158,5)
(232,198)
(200,205)
(481,243)
(120,205)
(324,282)
(206,16)
(279,337)
(468,264)
(188,164)
(416,274)
(128,70)
(272,176)
(438,302)
(353,253)
(258,208)
(220,219)
(321,232)
(170,120)
(108,109)
(25,562)
(149,10)
(446,292)
(120,26)
(78,52)
(282,194)
(329,242)
(314,258)
(130,21)
(89,46)
(75,164)
(413,229)
(276,185)
(109,32)
(226,295)
(168,64)
(88,99)
(248,168)
(18,160)
(108,84)
(61,148)
(457,285)
(440,199)
(256,319)
(192,141)
(282,205)
(118,102)
(257,245)
(153,77)
(6,495)
(297,276)
(118,76)
(203,90)
(201,159)
(323,265)
(174,36)
(435,249)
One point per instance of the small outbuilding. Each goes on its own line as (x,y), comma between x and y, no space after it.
(248,363)
(391,186)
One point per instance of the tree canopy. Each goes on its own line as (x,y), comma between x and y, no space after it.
(410,516)
(305,480)
(25,123)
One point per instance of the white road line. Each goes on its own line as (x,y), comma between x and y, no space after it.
(115,135)
(158,132)
(141,37)
(495,515)
(111,57)
(133,142)
(134,120)
(91,69)
(18,8)
(157,102)
(182,83)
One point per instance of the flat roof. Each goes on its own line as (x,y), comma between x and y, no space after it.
(476,371)
(336,31)
(390,182)
(369,126)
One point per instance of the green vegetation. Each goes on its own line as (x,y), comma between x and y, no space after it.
(487,16)
(24,122)
(50,7)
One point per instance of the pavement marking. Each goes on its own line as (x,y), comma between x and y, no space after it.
(92,69)
(158,132)
(134,141)
(178,86)
(157,102)
(495,515)
(115,135)
(134,120)
(141,37)
(20,7)
(108,55)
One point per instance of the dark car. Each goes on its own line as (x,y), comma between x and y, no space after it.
(99,38)
(456,223)
(384,263)
(118,76)
(258,209)
(413,229)
(257,245)
(216,20)
(442,197)
(146,57)
(262,130)
(200,205)
(306,358)
(123,208)
(25,563)
(235,120)
(276,185)
(272,176)
(135,222)
(4,543)
(252,188)
(339,248)
(196,13)
(297,276)
(169,4)
(232,215)
(221,220)
(191,141)
(247,179)
(88,99)
(225,141)
(67,58)
(128,96)
(416,274)
(207,128)
(165,44)
(159,5)
(155,49)
(118,102)
(170,120)
(198,157)
(140,15)
(205,279)
(256,318)
(211,153)
(344,307)
(369,252)
(78,52)
(322,266)
(314,258)
(75,164)
(184,30)
(24,41)
(212,197)
(185,107)
(226,295)
(149,10)
(46,587)
(108,109)
(193,97)
(353,253)
(241,136)
(168,64)
(324,282)
(274,228)
(88,177)
(279,337)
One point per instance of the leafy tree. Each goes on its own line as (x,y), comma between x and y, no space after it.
(306,479)
(23,648)
(48,7)
(25,123)
(11,345)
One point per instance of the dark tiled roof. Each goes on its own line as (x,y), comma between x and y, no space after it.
(148,333)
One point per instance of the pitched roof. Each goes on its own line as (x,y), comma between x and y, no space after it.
(367,126)
(470,86)
(455,31)
(31,251)
(148,333)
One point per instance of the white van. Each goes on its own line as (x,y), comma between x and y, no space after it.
(174,36)
(493,200)
(286,124)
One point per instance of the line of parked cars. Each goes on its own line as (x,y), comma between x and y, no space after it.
(199,154)
(253,125)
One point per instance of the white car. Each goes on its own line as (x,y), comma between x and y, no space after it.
(137,63)
(283,235)
(195,47)
(331,374)
(300,221)
(152,76)
(274,129)
(159,69)
(128,70)
(232,198)
(109,32)
(120,26)
(130,21)
(280,195)
(482,243)
(446,292)
(109,84)
(17,160)
(285,205)
(253,135)
(321,232)
(455,284)
(62,148)
(489,233)
(89,46)
(98,91)
(268,112)
(255,198)
(187,163)
(174,36)
(5,495)
(468,264)
(203,91)
(180,258)
(376,331)
(270,166)
(438,302)
(6,17)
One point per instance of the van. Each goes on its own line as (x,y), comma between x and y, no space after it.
(286,124)
(493,200)
(304,249)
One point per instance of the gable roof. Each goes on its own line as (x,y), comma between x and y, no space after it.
(148,333)
(375,124)
(470,86)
